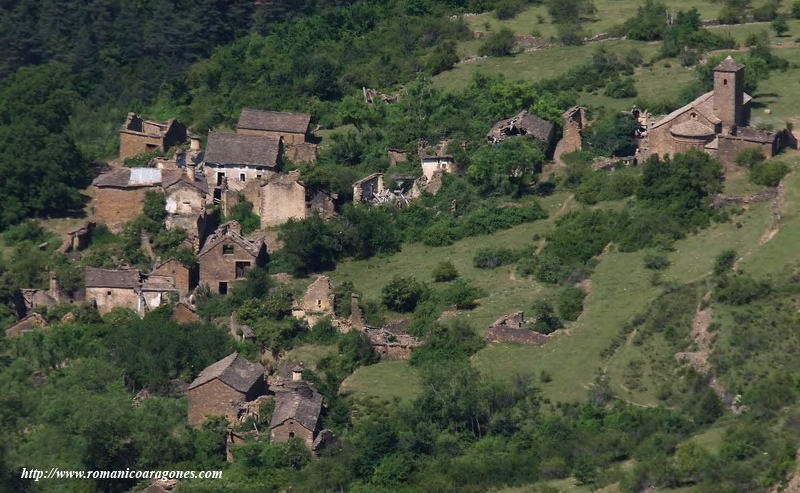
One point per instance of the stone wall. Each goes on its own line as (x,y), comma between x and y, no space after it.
(289,138)
(107,299)
(661,141)
(281,201)
(730,147)
(114,207)
(185,278)
(131,144)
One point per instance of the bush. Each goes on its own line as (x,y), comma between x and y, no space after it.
(768,173)
(740,289)
(571,34)
(656,260)
(796,9)
(142,160)
(749,157)
(444,271)
(780,26)
(621,87)
(546,320)
(570,303)
(462,293)
(402,294)
(500,43)
(492,257)
(724,261)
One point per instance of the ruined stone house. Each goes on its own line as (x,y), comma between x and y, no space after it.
(513,329)
(43,298)
(185,193)
(126,288)
(365,189)
(232,160)
(239,331)
(223,388)
(436,160)
(185,278)
(574,123)
(317,302)
(137,135)
(78,238)
(297,410)
(119,195)
(717,122)
(184,313)
(291,127)
(525,124)
(226,257)
(284,196)
(396,155)
(392,341)
(26,325)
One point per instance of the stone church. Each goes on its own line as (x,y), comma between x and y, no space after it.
(718,122)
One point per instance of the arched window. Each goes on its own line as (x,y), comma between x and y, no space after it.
(724,82)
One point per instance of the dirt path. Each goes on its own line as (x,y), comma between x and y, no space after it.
(699,359)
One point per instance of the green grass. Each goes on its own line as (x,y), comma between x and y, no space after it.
(310,354)
(386,381)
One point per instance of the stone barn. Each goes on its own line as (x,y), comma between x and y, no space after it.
(291,127)
(297,410)
(137,135)
(717,122)
(232,160)
(227,256)
(284,196)
(223,388)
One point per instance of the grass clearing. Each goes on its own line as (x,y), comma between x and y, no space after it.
(310,354)
(386,381)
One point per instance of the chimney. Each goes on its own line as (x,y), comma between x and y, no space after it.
(191,168)
(55,287)
(194,143)
(297,373)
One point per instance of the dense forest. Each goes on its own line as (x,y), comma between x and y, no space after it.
(71,395)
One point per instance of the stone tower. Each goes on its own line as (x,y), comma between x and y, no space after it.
(729,93)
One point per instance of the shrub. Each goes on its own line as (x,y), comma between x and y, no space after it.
(444,271)
(492,257)
(656,260)
(768,173)
(500,43)
(402,294)
(796,9)
(724,261)
(749,157)
(621,87)
(462,293)
(571,34)
(780,26)
(142,160)
(546,320)
(740,289)
(570,303)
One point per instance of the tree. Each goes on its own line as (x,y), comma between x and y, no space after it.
(444,271)
(780,26)
(311,245)
(570,302)
(402,294)
(508,168)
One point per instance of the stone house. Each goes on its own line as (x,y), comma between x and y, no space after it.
(226,257)
(365,189)
(436,160)
(119,196)
(128,288)
(717,122)
(523,123)
(292,128)
(297,410)
(232,160)
(223,388)
(137,136)
(284,196)
(26,325)
(185,278)
(183,313)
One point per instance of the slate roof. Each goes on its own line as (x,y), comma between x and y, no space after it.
(304,405)
(535,126)
(232,370)
(703,104)
(226,231)
(132,177)
(692,128)
(728,65)
(242,149)
(111,278)
(172,177)
(276,121)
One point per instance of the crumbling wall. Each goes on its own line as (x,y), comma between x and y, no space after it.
(282,200)
(115,207)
